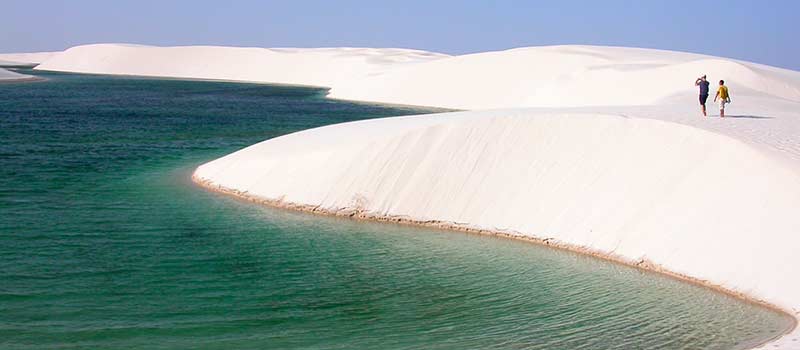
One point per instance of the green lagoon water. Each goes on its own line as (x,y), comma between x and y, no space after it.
(106,244)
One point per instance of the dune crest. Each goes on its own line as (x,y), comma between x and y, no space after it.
(563,76)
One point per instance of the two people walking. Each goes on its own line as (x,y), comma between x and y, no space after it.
(722,95)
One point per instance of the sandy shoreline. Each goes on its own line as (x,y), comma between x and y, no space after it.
(548,242)
(12,76)
(22,80)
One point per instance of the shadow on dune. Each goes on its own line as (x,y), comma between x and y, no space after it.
(748,116)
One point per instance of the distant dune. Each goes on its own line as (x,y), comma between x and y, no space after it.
(597,149)
(563,76)
(20,60)
(7,75)
(319,67)
(25,59)
(551,76)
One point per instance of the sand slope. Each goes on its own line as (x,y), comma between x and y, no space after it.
(608,153)
(696,202)
(687,200)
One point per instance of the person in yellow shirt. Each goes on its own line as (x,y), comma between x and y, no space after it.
(724,97)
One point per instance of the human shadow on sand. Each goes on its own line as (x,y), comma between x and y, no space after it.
(748,116)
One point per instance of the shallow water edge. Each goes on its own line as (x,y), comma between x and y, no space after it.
(642,264)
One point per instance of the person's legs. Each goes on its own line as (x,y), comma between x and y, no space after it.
(703,99)
(722,108)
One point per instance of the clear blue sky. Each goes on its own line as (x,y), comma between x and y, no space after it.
(760,31)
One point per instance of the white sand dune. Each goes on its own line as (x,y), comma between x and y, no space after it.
(595,148)
(563,76)
(318,67)
(25,59)
(7,75)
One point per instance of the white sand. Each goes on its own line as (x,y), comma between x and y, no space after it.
(609,153)
(318,67)
(25,59)
(563,76)
(21,59)
(7,75)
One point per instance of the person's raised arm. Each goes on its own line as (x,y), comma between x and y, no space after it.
(697,82)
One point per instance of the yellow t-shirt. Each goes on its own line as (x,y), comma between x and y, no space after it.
(723,92)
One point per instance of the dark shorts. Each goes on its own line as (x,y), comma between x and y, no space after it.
(703,99)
